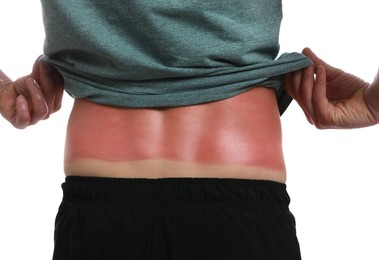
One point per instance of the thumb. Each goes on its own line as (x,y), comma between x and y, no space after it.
(36,73)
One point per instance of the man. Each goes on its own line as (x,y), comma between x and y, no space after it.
(234,138)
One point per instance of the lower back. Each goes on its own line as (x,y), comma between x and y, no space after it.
(239,137)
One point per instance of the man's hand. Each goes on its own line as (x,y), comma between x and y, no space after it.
(332,98)
(32,98)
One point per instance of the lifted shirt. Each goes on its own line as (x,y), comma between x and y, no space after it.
(162,53)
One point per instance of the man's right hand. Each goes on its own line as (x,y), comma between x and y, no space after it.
(32,98)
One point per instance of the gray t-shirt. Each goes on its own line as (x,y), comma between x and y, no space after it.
(160,53)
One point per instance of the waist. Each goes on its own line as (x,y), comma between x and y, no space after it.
(239,137)
(140,191)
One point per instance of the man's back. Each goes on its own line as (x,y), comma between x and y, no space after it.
(238,137)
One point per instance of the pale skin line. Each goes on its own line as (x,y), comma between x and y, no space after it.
(159,168)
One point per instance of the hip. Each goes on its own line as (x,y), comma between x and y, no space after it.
(174,218)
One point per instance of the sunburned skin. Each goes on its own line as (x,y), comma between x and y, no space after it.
(239,137)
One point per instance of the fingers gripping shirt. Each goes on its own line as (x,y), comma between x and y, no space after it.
(159,53)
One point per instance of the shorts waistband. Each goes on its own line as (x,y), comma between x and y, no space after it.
(175,190)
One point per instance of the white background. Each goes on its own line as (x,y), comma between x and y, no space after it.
(332,174)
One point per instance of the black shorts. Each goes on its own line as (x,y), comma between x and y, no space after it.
(174,219)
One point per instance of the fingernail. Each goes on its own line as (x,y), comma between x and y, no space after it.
(318,70)
(21,101)
(35,83)
(32,82)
